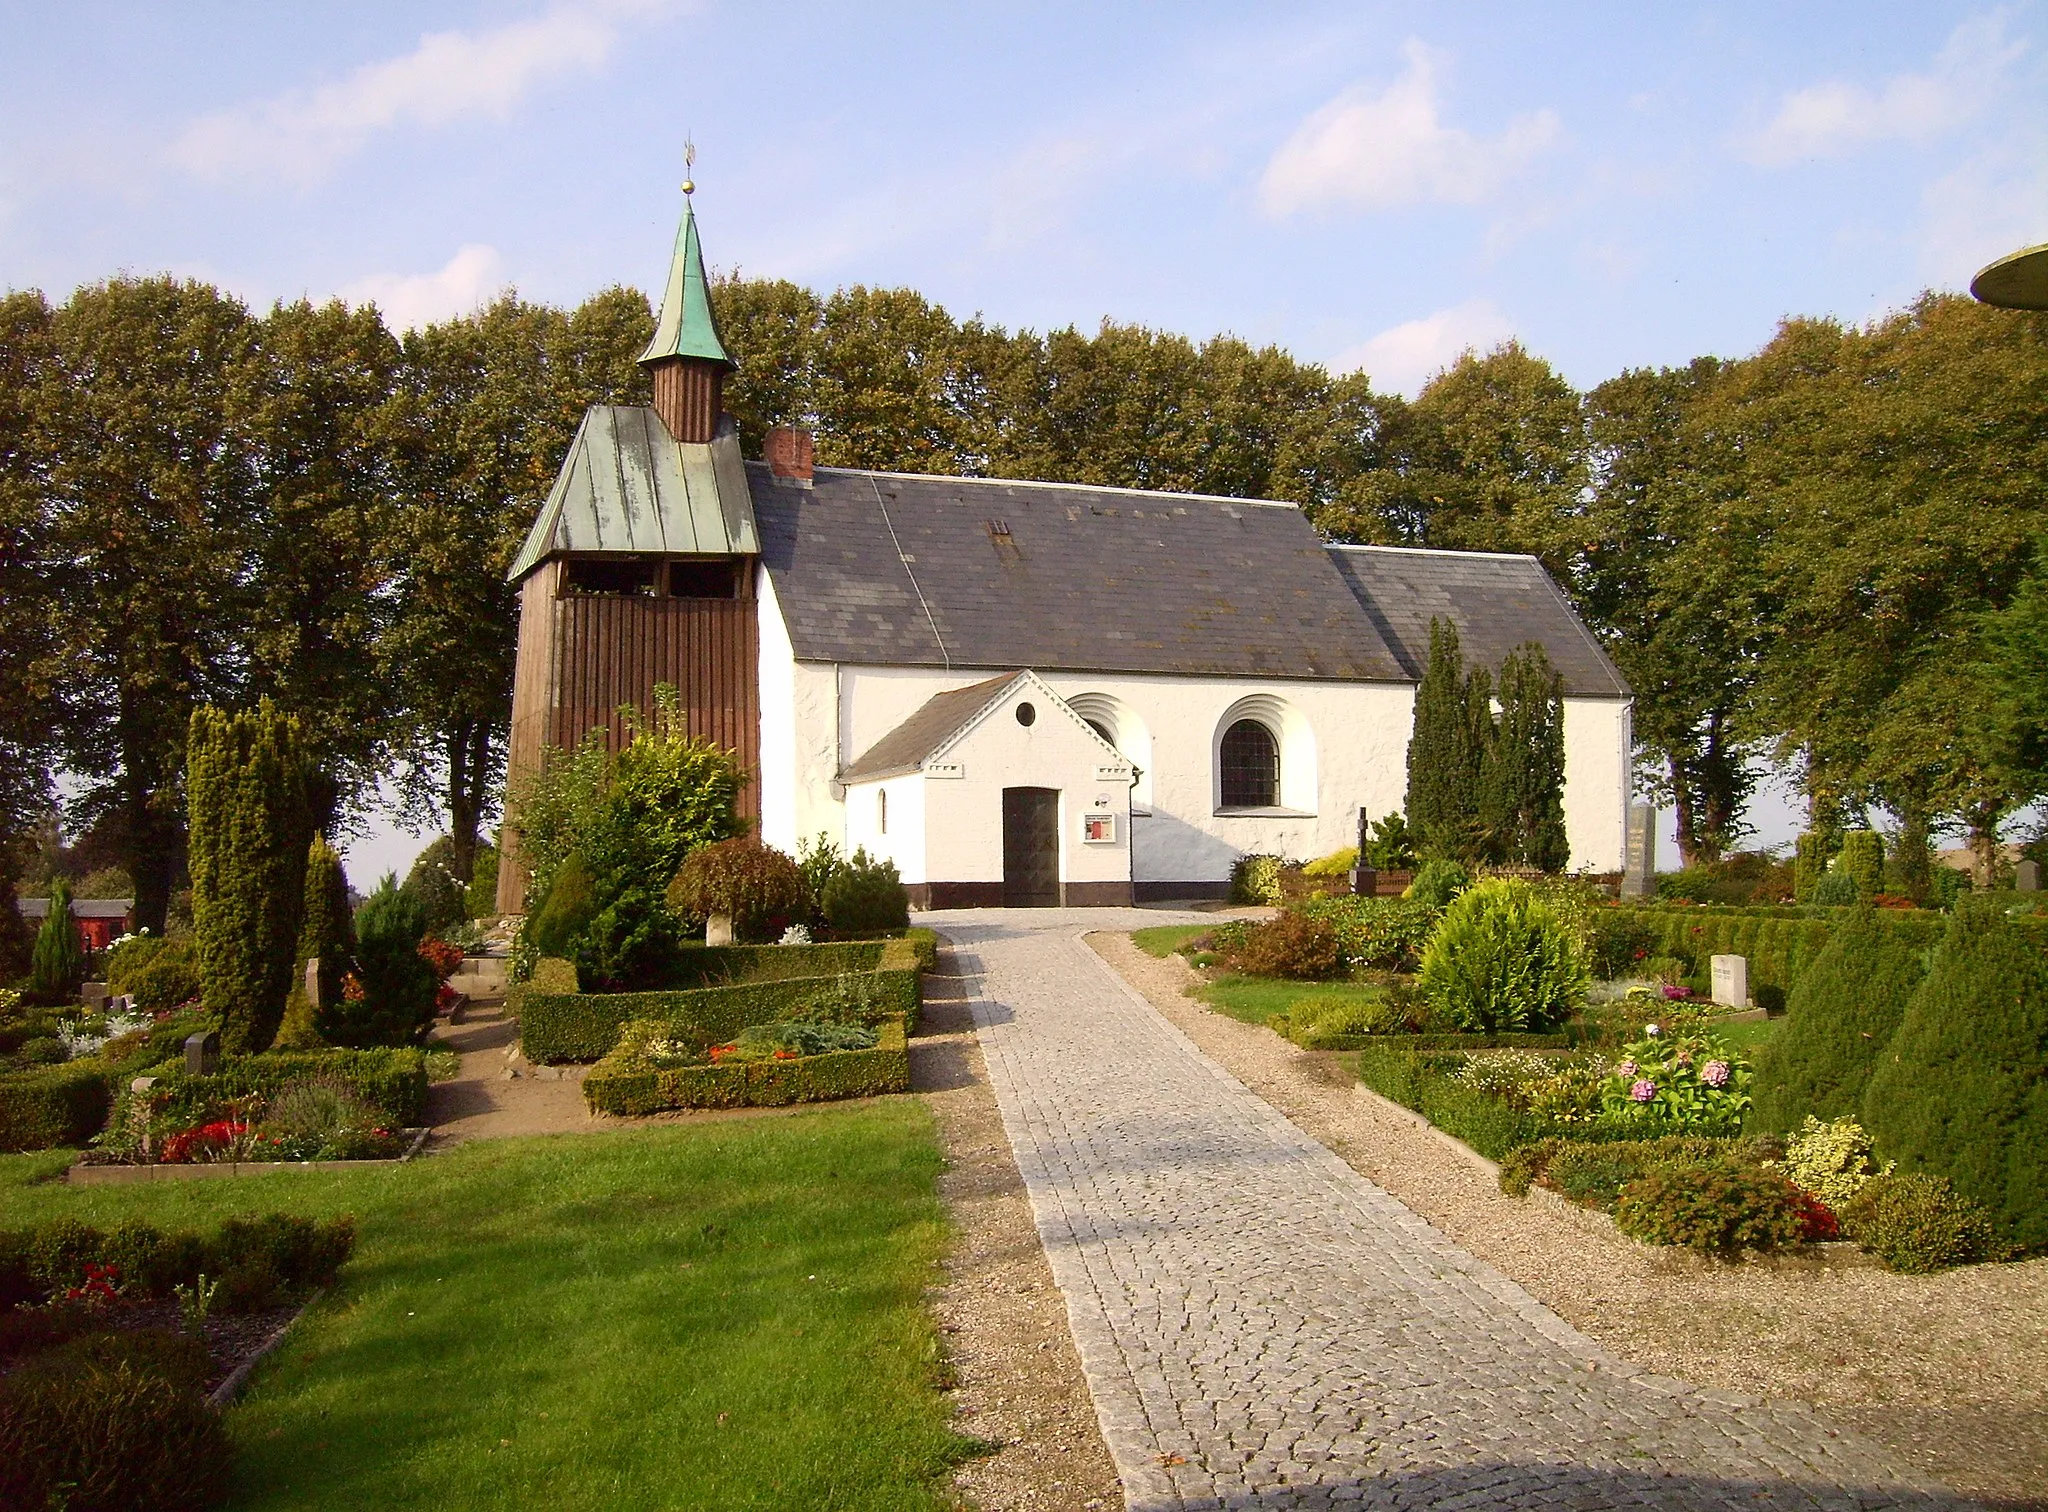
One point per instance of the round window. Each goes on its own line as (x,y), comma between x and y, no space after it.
(1026,714)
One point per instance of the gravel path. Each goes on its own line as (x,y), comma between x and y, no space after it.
(1261,1326)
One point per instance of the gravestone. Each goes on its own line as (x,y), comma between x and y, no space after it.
(2027,876)
(202,1053)
(94,996)
(1639,869)
(313,983)
(1731,980)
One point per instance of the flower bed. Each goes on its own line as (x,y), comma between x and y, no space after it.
(111,1341)
(663,1064)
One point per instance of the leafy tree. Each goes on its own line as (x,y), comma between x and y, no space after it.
(1962,1091)
(28,602)
(147,493)
(245,777)
(58,965)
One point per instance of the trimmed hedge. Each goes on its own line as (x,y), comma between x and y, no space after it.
(1427,1083)
(54,1105)
(740,965)
(585,1026)
(393,1080)
(627,1085)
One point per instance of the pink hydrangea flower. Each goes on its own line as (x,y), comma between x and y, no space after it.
(1627,1068)
(1715,1073)
(1643,1090)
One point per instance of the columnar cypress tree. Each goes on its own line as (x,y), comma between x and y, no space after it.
(1862,858)
(58,963)
(1962,1091)
(1528,768)
(245,785)
(1443,772)
(1487,822)
(328,933)
(1839,1022)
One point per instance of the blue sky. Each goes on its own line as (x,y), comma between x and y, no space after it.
(1375,185)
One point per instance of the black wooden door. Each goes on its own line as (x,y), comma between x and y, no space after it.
(1031,847)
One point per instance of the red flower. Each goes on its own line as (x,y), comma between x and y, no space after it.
(1816,1218)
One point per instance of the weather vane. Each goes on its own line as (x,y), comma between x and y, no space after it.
(689,165)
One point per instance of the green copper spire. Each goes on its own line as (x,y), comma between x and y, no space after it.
(687,328)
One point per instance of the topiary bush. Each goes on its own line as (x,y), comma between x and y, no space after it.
(1294,945)
(1861,860)
(1962,1091)
(1501,961)
(1918,1223)
(762,890)
(865,897)
(169,979)
(1383,933)
(1716,1209)
(481,901)
(1837,889)
(1840,1020)
(559,924)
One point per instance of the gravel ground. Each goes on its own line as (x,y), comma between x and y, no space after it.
(1949,1371)
(1018,1381)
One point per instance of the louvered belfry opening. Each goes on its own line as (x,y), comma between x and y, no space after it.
(688,395)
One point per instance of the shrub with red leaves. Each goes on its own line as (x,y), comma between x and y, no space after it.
(1817,1222)
(440,955)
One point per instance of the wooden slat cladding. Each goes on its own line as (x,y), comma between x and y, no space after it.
(583,655)
(686,396)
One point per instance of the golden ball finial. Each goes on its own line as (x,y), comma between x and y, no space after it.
(688,187)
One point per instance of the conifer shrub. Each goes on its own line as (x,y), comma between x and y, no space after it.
(327,935)
(17,940)
(1839,1020)
(482,900)
(1962,1091)
(1500,960)
(1812,853)
(390,1000)
(1438,882)
(559,924)
(762,890)
(58,964)
(1861,860)
(1255,879)
(1835,889)
(168,979)
(245,784)
(1918,1223)
(865,897)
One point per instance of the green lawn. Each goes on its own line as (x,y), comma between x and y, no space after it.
(1747,1034)
(1256,999)
(721,1316)
(1164,939)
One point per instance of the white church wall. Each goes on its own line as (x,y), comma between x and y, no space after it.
(964,825)
(887,818)
(777,680)
(1599,746)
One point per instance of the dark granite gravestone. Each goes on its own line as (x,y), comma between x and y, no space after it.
(202,1053)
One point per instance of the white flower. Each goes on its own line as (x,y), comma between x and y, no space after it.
(1652,1030)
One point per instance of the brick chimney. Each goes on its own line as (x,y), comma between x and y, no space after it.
(788,454)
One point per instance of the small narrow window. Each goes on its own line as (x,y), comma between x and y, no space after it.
(611,575)
(1251,766)
(882,811)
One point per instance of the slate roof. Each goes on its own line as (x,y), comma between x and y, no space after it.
(904,569)
(627,485)
(1497,601)
(904,748)
(81,908)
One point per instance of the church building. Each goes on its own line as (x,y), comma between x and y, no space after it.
(1021,693)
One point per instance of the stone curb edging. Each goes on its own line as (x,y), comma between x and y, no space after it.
(124,1175)
(231,1388)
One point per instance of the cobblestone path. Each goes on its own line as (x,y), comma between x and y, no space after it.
(1263,1327)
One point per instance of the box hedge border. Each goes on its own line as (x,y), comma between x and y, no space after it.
(392,1080)
(584,1026)
(1418,1042)
(54,1105)
(620,1086)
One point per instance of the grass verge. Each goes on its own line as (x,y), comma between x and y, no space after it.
(725,1316)
(1256,999)
(1164,939)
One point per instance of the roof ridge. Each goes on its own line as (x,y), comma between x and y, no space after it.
(1148,493)
(1449,551)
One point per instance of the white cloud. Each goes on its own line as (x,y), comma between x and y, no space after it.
(302,133)
(1382,150)
(410,300)
(1403,358)
(1995,203)
(1835,118)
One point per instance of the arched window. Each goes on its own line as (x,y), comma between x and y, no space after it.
(1251,766)
(1102,728)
